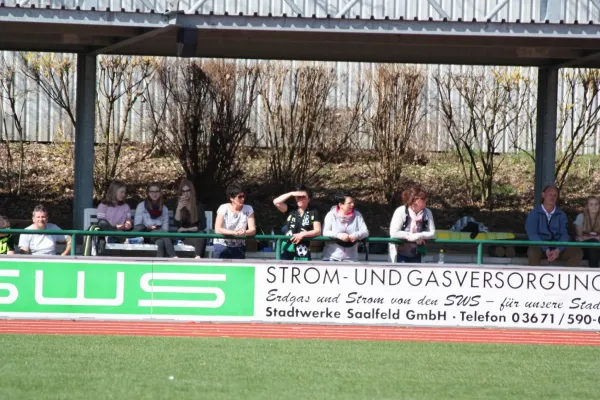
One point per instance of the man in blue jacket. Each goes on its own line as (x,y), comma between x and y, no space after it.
(548,223)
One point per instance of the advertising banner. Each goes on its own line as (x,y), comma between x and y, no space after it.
(429,296)
(331,293)
(125,290)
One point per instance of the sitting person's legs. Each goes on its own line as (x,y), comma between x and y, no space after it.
(164,248)
(593,256)
(199,245)
(104,225)
(140,228)
(572,255)
(534,255)
(231,253)
(144,228)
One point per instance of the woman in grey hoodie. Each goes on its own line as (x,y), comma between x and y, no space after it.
(346,225)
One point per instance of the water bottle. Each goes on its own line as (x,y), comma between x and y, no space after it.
(441,257)
(272,242)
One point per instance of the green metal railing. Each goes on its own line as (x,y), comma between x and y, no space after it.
(281,238)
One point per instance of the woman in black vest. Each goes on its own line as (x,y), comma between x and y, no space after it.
(189,217)
(302,223)
(413,223)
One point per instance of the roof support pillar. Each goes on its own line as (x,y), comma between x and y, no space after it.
(84,137)
(545,140)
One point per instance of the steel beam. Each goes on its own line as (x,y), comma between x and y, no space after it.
(578,61)
(133,40)
(496,9)
(338,39)
(346,8)
(438,8)
(545,139)
(294,7)
(195,7)
(84,137)
(147,5)
(87,20)
(92,19)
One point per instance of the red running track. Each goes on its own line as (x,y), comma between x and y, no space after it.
(288,331)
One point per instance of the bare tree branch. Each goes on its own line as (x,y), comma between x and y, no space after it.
(303,132)
(397,117)
(491,103)
(121,81)
(14,98)
(578,118)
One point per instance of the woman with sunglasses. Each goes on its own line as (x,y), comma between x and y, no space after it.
(302,223)
(234,219)
(189,217)
(412,222)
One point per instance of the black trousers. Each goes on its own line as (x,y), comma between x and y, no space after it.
(144,228)
(104,225)
(593,255)
(165,247)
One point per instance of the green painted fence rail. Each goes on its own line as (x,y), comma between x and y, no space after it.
(280,238)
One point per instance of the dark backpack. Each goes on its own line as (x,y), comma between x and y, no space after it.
(92,244)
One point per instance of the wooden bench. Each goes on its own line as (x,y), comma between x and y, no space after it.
(90,216)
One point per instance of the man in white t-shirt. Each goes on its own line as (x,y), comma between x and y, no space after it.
(42,244)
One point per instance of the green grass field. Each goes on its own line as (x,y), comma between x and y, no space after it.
(105,367)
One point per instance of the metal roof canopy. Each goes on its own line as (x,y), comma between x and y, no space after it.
(88,33)
(300,38)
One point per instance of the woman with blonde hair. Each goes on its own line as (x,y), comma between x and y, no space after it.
(587,229)
(189,217)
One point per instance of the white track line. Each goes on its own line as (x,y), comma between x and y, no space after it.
(382,338)
(304,329)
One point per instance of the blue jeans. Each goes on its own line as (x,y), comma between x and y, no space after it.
(411,260)
(229,253)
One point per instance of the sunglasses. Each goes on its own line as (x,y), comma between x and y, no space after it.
(154,191)
(300,198)
(186,191)
(240,196)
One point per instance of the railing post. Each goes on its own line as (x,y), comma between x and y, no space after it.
(73,244)
(480,254)
(278,249)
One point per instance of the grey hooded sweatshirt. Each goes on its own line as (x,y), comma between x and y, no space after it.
(335,225)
